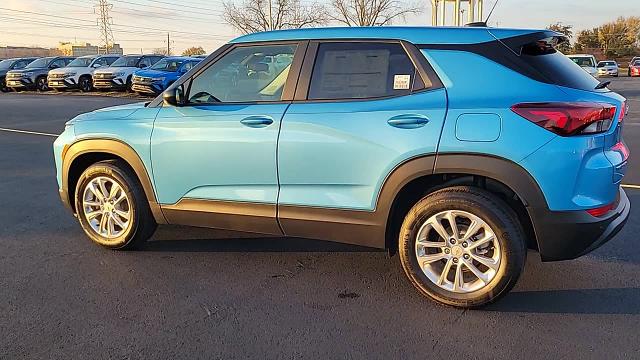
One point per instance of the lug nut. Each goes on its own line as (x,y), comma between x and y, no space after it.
(452,241)
(455,260)
(464,244)
(466,256)
(446,251)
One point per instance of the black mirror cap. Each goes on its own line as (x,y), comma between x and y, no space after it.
(174,96)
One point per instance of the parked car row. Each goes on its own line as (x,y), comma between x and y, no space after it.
(606,67)
(145,74)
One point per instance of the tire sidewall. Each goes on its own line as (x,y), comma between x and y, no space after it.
(41,84)
(105,170)
(511,250)
(85,81)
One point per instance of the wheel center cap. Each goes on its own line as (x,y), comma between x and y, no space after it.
(108,207)
(457,251)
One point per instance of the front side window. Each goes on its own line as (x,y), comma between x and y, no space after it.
(360,71)
(245,74)
(59,63)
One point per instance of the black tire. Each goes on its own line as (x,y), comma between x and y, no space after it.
(41,84)
(3,86)
(85,84)
(496,214)
(129,86)
(142,224)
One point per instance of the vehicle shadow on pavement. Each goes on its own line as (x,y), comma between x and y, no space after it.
(624,301)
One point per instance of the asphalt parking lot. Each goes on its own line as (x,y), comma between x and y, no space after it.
(196,293)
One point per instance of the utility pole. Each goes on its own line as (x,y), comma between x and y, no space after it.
(104,22)
(270,17)
(168,44)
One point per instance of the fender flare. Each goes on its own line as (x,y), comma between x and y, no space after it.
(116,148)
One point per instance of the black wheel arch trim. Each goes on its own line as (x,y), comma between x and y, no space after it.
(116,148)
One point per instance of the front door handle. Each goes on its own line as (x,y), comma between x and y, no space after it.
(408,121)
(257,121)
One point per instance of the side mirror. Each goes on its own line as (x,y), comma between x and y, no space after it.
(53,67)
(174,96)
(143,66)
(97,65)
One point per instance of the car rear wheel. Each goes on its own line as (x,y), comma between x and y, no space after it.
(3,86)
(462,246)
(111,206)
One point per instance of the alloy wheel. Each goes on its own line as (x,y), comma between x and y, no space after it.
(458,251)
(106,207)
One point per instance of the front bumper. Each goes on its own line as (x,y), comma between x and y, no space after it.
(20,83)
(565,235)
(147,88)
(116,83)
(65,83)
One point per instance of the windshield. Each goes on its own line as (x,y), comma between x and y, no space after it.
(127,61)
(168,64)
(40,63)
(80,62)
(583,61)
(606,63)
(5,64)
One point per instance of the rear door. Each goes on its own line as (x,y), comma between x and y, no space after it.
(361,109)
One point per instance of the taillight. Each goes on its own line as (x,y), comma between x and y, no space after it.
(601,211)
(568,118)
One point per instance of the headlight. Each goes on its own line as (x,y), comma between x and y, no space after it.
(69,74)
(158,79)
(120,73)
(27,74)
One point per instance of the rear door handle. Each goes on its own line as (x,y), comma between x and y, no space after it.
(408,121)
(257,121)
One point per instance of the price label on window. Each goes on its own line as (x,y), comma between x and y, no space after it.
(401,82)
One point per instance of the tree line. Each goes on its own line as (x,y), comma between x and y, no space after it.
(619,38)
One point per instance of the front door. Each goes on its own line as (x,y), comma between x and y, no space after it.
(214,160)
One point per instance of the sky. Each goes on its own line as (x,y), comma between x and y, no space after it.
(142,25)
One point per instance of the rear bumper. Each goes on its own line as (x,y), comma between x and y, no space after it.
(565,235)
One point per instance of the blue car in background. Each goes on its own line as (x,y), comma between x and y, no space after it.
(162,74)
(456,148)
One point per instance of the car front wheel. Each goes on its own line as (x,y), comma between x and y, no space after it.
(462,246)
(111,206)
(85,84)
(41,84)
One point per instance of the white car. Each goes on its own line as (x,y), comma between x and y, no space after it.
(78,74)
(587,62)
(608,68)
(119,75)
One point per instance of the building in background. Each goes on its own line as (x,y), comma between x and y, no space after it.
(7,52)
(82,49)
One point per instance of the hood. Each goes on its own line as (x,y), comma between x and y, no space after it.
(30,70)
(110,113)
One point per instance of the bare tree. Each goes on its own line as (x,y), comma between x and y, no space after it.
(262,15)
(371,12)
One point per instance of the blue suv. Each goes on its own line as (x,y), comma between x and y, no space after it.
(456,148)
(162,74)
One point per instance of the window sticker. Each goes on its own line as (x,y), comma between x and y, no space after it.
(401,82)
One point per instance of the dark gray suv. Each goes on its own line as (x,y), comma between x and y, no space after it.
(34,75)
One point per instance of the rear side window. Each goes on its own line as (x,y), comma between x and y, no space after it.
(556,67)
(360,71)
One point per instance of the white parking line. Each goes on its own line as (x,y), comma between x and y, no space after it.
(631,186)
(28,132)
